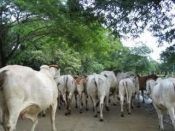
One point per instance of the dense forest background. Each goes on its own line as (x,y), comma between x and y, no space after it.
(84,36)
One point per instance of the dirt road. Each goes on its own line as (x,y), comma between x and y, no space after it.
(141,119)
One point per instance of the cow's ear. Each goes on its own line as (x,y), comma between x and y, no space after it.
(138,75)
(55,66)
(105,75)
(75,76)
(2,78)
(85,76)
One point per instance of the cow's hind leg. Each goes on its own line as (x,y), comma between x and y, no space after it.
(60,100)
(94,106)
(13,118)
(31,112)
(5,117)
(35,122)
(132,102)
(53,109)
(76,103)
(34,118)
(81,103)
(115,98)
(121,105)
(86,101)
(101,107)
(143,96)
(138,100)
(107,103)
(129,106)
(172,116)
(160,116)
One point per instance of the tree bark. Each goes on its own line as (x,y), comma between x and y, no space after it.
(2,40)
(3,32)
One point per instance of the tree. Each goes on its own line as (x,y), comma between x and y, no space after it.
(26,22)
(136,59)
(141,50)
(168,56)
(126,16)
(64,33)
(18,26)
(168,59)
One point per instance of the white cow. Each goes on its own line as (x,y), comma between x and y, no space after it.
(54,72)
(110,76)
(149,85)
(135,80)
(98,89)
(66,87)
(128,87)
(26,93)
(163,97)
(122,75)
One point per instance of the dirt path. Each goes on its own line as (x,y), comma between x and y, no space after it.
(141,119)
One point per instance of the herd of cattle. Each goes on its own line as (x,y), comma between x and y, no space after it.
(26,93)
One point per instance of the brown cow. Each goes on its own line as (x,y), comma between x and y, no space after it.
(142,82)
(80,91)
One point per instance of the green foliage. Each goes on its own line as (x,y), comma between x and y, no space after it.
(142,50)
(133,16)
(62,32)
(168,59)
(168,56)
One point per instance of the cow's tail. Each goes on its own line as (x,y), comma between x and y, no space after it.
(66,82)
(66,88)
(2,78)
(96,86)
(125,85)
(174,86)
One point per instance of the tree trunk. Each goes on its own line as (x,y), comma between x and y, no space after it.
(2,57)
(2,39)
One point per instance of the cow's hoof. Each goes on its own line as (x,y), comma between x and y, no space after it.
(95,115)
(107,108)
(98,111)
(43,115)
(138,105)
(87,109)
(76,106)
(114,104)
(101,119)
(129,113)
(109,101)
(67,113)
(122,115)
(81,112)
(161,129)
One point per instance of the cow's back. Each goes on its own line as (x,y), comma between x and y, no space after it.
(23,85)
(110,77)
(164,93)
